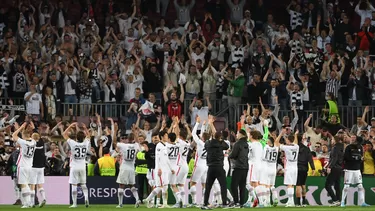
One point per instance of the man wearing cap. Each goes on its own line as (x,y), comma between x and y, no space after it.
(240,167)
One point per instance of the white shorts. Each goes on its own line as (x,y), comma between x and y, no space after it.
(253,174)
(290,176)
(37,176)
(268,176)
(181,174)
(77,176)
(150,177)
(352,177)
(24,175)
(199,174)
(162,180)
(126,177)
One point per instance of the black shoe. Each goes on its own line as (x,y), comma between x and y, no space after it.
(18,202)
(205,208)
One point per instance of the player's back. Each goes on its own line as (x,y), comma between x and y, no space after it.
(184,147)
(39,160)
(27,150)
(161,156)
(257,152)
(291,155)
(173,153)
(79,152)
(201,156)
(129,152)
(270,156)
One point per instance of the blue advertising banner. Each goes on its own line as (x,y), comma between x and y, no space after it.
(103,190)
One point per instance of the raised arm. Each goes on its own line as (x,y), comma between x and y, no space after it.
(66,132)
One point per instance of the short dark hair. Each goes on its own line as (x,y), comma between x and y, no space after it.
(172,137)
(106,150)
(81,136)
(183,133)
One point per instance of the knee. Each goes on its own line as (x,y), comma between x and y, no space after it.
(360,187)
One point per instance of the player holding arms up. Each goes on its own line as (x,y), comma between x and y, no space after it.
(291,150)
(79,149)
(183,168)
(24,162)
(353,157)
(37,173)
(200,168)
(126,178)
(162,169)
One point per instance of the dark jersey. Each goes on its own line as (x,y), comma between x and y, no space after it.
(39,160)
(150,156)
(353,157)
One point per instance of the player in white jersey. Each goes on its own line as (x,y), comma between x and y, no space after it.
(269,170)
(79,149)
(200,167)
(162,169)
(126,177)
(183,167)
(291,150)
(24,162)
(173,155)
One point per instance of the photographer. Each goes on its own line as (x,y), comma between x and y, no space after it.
(334,170)
(215,163)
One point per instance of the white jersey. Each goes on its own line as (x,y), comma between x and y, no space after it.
(291,155)
(161,157)
(256,150)
(270,156)
(173,153)
(27,149)
(184,147)
(79,153)
(128,152)
(201,154)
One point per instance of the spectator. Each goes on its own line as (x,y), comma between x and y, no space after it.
(369,158)
(236,8)
(183,11)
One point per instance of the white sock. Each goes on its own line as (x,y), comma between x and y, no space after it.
(153,194)
(344,193)
(251,191)
(158,200)
(42,194)
(274,194)
(178,197)
(85,192)
(361,194)
(164,195)
(120,195)
(32,197)
(175,195)
(229,195)
(25,196)
(182,193)
(267,196)
(74,195)
(17,190)
(259,192)
(193,192)
(135,193)
(291,196)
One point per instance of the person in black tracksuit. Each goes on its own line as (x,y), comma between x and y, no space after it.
(334,170)
(304,159)
(240,156)
(215,163)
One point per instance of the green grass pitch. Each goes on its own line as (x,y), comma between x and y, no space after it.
(143,208)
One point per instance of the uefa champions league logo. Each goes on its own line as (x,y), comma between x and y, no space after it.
(80,193)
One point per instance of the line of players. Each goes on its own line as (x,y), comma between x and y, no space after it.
(169,153)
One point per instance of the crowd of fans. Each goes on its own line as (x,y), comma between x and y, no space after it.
(322,56)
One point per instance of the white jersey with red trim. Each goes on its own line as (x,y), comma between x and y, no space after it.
(128,152)
(161,157)
(79,153)
(173,154)
(256,150)
(201,153)
(184,147)
(291,155)
(27,149)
